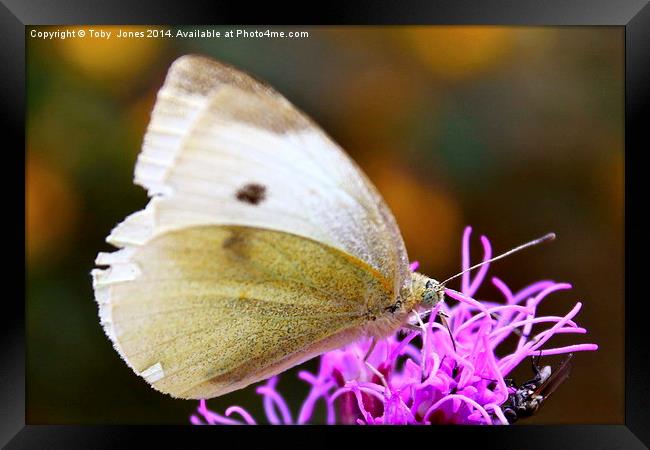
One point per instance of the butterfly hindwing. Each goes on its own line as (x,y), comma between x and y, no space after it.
(215,308)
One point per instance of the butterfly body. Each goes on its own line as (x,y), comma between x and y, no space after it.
(263,244)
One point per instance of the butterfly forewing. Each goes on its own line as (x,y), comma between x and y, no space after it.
(232,132)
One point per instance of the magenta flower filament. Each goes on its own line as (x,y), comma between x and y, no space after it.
(426,377)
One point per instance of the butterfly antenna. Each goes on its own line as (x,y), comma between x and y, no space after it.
(546,238)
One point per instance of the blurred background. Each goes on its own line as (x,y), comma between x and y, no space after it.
(515,131)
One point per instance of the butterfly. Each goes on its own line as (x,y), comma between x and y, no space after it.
(262,246)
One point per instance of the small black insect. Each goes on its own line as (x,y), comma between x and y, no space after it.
(530,396)
(252,193)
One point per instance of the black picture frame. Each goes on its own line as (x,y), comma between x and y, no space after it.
(633,15)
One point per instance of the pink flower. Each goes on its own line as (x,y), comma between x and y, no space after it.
(425,377)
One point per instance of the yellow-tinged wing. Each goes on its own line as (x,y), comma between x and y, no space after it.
(203,311)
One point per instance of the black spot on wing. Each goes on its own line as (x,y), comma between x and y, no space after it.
(237,244)
(252,193)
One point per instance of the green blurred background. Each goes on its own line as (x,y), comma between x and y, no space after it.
(516,131)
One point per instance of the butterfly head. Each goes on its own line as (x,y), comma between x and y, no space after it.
(427,291)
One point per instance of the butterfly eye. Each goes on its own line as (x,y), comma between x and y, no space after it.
(430,296)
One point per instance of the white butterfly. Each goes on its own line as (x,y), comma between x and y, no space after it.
(262,246)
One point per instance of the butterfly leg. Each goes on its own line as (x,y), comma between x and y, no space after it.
(443,320)
(378,373)
(370,350)
(411,327)
(370,366)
